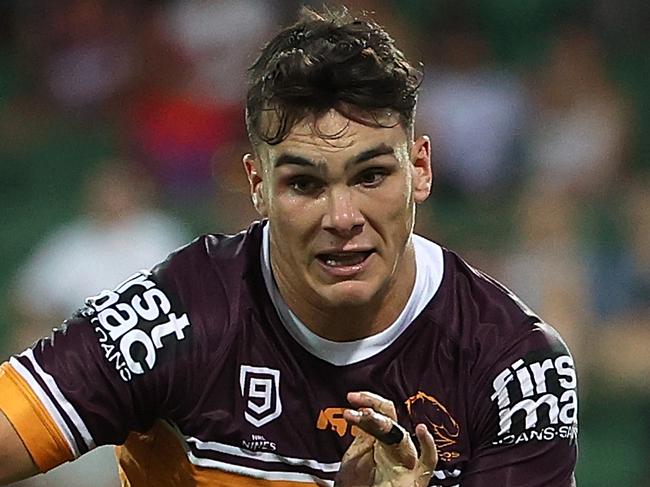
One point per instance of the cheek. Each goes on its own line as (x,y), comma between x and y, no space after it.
(293,218)
(392,213)
(392,201)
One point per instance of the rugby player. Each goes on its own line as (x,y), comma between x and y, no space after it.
(327,344)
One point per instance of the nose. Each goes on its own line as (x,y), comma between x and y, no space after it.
(343,216)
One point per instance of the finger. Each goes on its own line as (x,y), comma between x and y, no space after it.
(369,420)
(393,439)
(428,456)
(365,399)
(428,450)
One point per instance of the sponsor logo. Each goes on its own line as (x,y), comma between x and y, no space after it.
(536,398)
(544,434)
(260,387)
(258,443)
(133,323)
(332,419)
(425,408)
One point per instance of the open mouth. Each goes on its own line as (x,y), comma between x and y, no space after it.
(344,259)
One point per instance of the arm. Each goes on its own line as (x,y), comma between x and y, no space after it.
(82,388)
(525,416)
(15,461)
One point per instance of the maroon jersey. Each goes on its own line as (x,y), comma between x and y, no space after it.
(204,377)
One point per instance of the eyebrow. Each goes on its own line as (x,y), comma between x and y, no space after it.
(380,150)
(296,160)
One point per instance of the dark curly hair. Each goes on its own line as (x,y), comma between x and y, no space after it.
(324,61)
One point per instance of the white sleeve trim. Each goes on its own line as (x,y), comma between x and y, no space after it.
(57,396)
(63,402)
(47,404)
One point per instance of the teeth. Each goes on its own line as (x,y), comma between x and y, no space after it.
(345,259)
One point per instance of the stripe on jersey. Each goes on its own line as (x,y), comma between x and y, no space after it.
(58,396)
(215,478)
(33,422)
(31,373)
(258,474)
(47,403)
(264,456)
(263,472)
(159,458)
(446,474)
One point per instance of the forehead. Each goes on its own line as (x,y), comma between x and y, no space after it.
(333,135)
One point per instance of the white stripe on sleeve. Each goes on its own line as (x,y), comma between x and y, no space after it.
(47,404)
(60,398)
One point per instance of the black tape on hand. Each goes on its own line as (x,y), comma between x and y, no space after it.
(393,437)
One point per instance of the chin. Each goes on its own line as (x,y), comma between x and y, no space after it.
(348,294)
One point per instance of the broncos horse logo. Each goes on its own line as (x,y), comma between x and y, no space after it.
(443,426)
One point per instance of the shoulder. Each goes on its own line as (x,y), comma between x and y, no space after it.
(211,276)
(211,260)
(472,305)
(514,381)
(184,308)
(485,324)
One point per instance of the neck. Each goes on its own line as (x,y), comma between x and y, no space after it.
(351,322)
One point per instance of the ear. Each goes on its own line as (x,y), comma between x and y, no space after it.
(255,180)
(421,168)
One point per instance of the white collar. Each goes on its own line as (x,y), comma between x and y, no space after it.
(428,276)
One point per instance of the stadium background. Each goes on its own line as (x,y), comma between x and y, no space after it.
(123,121)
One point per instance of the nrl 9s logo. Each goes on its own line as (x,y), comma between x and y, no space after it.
(260,387)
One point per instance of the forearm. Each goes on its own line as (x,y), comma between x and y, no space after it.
(15,461)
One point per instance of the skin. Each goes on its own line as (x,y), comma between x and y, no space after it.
(369,462)
(320,199)
(15,461)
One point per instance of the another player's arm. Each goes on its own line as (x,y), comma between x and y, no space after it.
(15,461)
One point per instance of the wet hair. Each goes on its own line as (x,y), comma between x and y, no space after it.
(325,61)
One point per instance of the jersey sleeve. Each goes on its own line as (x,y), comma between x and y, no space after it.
(107,371)
(524,411)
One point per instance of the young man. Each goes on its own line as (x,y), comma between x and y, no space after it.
(326,344)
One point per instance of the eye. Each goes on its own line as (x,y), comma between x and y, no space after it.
(305,185)
(372,177)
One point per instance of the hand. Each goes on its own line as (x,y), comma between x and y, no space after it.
(371,460)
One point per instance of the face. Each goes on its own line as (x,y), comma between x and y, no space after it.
(341,209)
